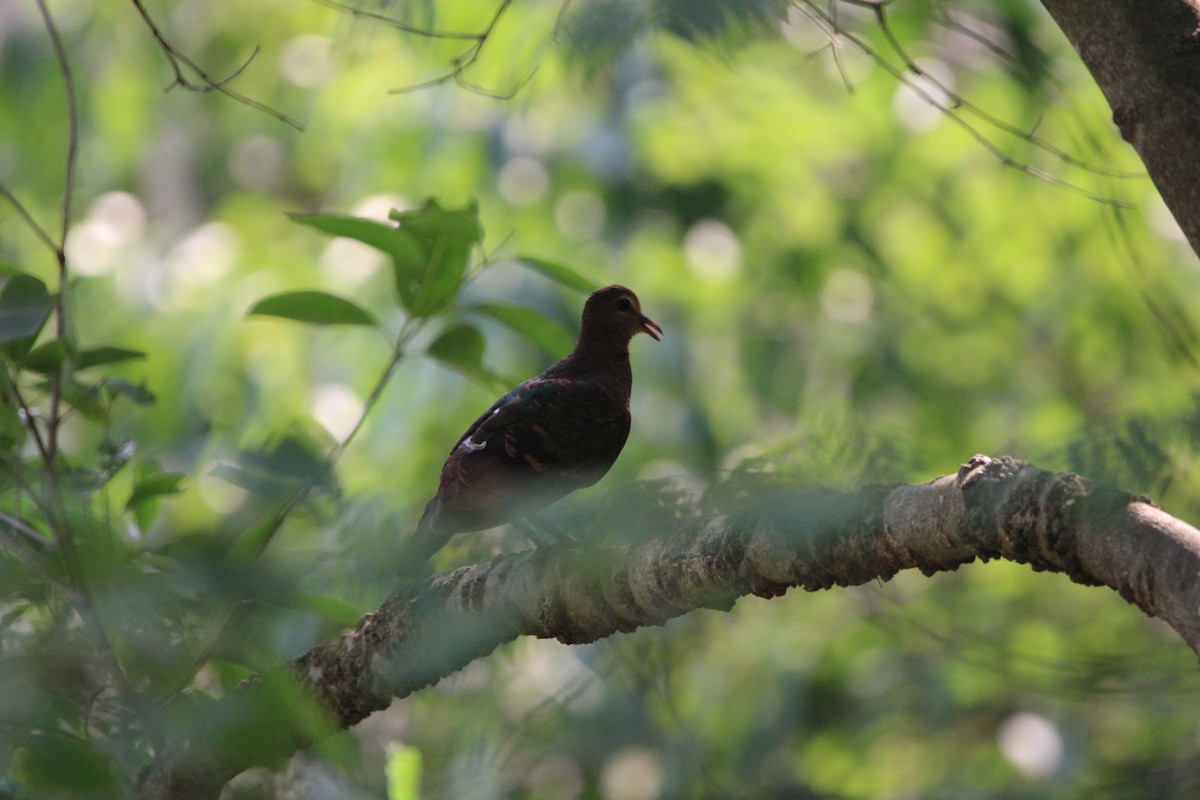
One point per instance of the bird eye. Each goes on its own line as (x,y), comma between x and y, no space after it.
(623,304)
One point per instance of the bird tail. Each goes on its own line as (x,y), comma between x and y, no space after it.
(422,543)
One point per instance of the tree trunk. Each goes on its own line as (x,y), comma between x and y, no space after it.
(1145,56)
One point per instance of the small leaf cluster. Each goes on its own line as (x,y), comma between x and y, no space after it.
(429,250)
(116,629)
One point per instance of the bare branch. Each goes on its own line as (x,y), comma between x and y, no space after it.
(958,101)
(60,252)
(1143,57)
(465,60)
(207,83)
(375,16)
(1056,522)
(23,212)
(953,103)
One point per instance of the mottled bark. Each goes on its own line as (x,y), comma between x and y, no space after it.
(1005,508)
(1145,56)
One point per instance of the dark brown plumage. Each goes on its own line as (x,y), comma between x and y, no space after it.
(549,436)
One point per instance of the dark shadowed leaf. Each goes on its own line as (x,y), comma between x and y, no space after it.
(313,307)
(46,358)
(85,398)
(135,392)
(460,346)
(12,431)
(61,766)
(100,356)
(277,471)
(561,273)
(328,607)
(25,305)
(533,325)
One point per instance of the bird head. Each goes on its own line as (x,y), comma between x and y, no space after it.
(613,314)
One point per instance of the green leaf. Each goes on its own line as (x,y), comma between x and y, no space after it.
(533,325)
(155,485)
(391,240)
(151,485)
(313,307)
(559,272)
(99,356)
(84,398)
(9,269)
(12,431)
(460,346)
(328,607)
(278,471)
(25,305)
(60,766)
(46,358)
(445,237)
(403,770)
(135,392)
(408,258)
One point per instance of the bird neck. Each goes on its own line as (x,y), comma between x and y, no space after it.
(606,360)
(602,348)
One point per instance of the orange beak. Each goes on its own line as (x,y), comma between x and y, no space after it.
(650,327)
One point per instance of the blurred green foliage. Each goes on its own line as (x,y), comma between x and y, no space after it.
(853,288)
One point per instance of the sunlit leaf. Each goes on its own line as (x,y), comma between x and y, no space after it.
(313,307)
(388,238)
(567,276)
(533,325)
(445,237)
(407,256)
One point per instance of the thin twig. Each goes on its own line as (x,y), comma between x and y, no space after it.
(27,416)
(834,44)
(178,61)
(23,212)
(466,59)
(961,102)
(60,251)
(375,16)
(281,515)
(950,110)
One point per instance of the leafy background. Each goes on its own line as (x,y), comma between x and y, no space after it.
(853,289)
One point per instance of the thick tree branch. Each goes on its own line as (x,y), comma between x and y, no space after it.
(1145,56)
(1057,522)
